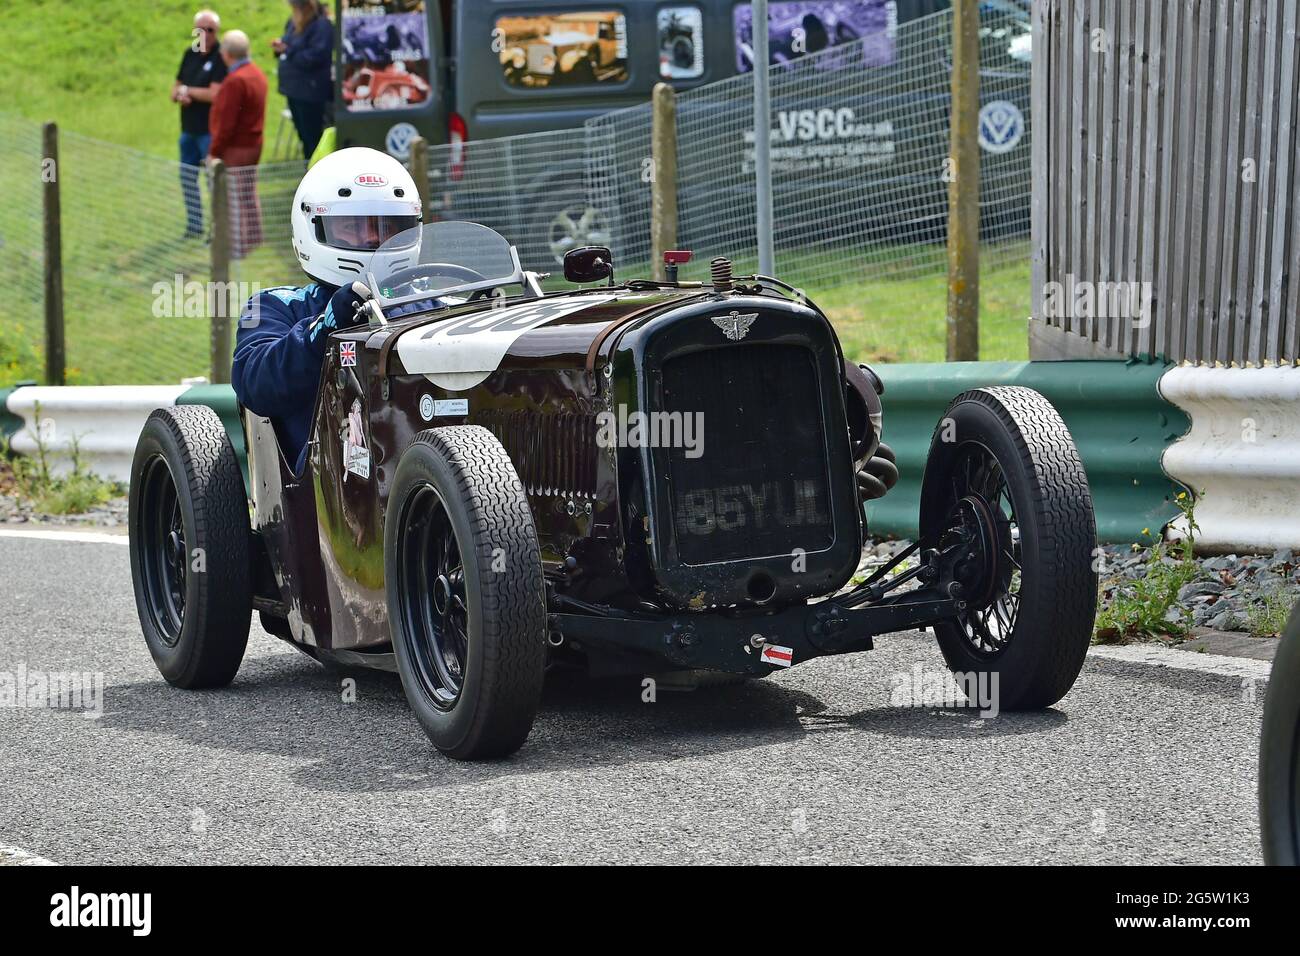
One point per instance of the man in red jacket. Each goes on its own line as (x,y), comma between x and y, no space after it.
(238,116)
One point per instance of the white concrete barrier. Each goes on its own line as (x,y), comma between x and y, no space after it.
(1241,456)
(104,419)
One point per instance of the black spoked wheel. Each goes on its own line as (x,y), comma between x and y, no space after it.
(466,597)
(190,560)
(433,602)
(1005,497)
(164,554)
(983,527)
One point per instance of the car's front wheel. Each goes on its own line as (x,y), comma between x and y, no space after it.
(1006,500)
(466,597)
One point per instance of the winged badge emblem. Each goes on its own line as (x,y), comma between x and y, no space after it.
(734,325)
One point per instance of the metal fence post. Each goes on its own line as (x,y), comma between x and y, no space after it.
(964,186)
(762,141)
(219,287)
(663,178)
(418,163)
(55,347)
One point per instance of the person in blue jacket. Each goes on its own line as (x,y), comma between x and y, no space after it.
(306,53)
(346,207)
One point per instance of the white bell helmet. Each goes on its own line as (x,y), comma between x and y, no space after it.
(347,205)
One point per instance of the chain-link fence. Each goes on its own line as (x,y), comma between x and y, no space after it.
(136,256)
(859,147)
(21,337)
(261,198)
(534,189)
(126,262)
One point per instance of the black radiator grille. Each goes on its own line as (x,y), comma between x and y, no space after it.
(553,452)
(760,487)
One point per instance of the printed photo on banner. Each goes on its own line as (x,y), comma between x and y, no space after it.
(385,55)
(681,43)
(562,49)
(865,29)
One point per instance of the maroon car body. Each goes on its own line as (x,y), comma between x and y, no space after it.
(323,532)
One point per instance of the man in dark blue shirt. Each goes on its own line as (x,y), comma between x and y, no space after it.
(279,350)
(198,80)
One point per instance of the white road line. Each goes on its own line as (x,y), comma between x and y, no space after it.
(1153,655)
(87,537)
(13,856)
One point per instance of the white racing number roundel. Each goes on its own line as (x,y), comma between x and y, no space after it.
(456,354)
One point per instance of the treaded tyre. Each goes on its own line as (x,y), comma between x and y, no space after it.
(1279,753)
(466,597)
(1004,481)
(190,561)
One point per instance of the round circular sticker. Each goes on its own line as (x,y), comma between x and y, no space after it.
(426,407)
(1002,126)
(398,140)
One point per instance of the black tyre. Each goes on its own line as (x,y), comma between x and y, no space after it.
(190,559)
(466,598)
(1279,753)
(1004,482)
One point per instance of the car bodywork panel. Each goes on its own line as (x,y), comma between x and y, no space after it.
(595,508)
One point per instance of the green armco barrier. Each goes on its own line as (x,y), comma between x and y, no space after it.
(221,399)
(1113,409)
(10,424)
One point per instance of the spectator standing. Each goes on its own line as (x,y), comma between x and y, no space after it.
(238,118)
(197,83)
(306,53)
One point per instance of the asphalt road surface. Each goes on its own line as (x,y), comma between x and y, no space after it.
(816,764)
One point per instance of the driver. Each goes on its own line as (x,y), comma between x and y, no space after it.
(347,206)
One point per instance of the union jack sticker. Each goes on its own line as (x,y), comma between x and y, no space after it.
(348,354)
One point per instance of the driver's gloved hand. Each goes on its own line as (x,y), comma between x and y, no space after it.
(345,309)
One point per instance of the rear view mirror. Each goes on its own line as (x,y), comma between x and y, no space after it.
(588,264)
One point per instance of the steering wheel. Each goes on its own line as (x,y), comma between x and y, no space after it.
(405,276)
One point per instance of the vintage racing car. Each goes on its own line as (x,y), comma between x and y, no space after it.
(638,476)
